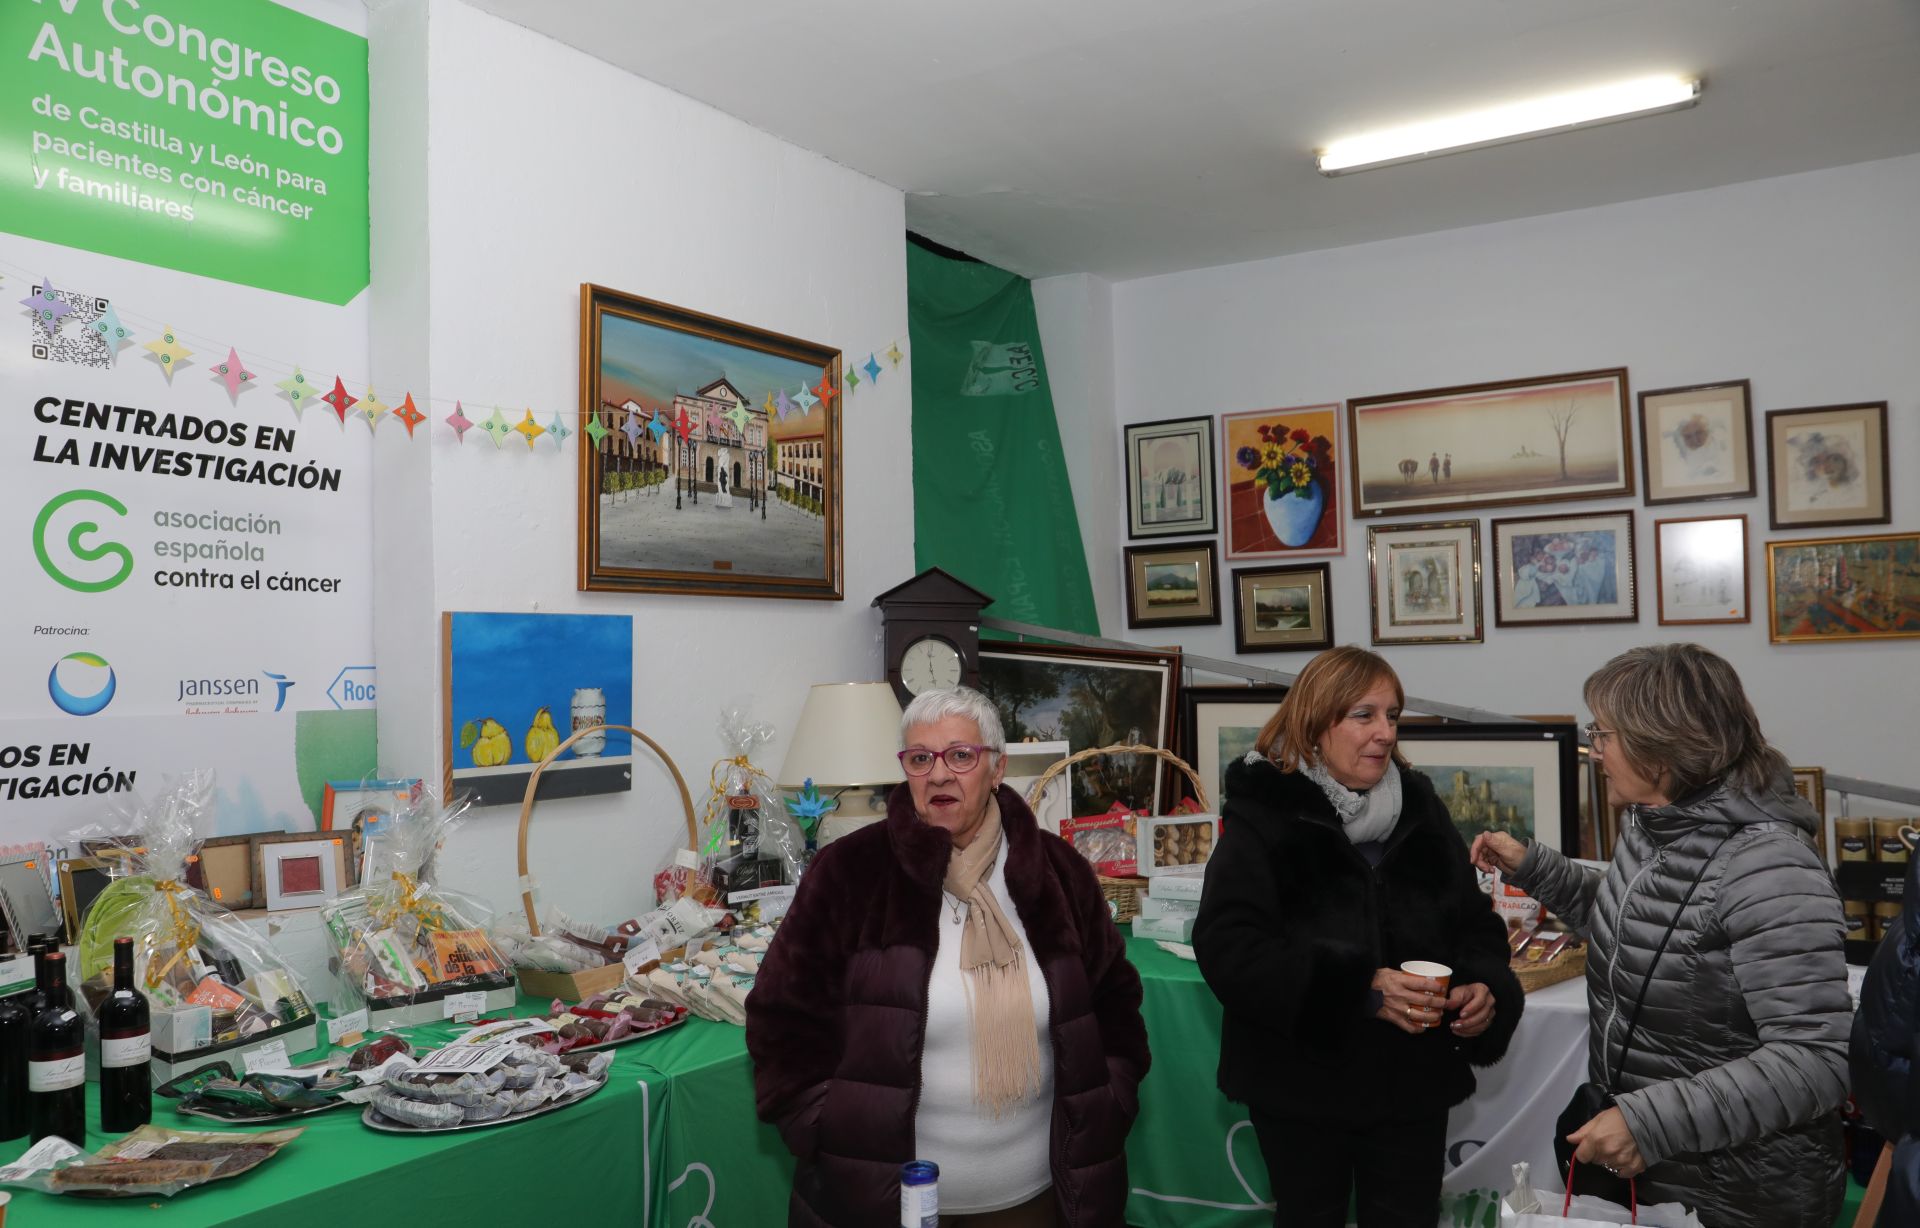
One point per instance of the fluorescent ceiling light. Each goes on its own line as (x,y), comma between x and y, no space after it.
(1513,122)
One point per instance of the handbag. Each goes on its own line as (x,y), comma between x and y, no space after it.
(1592,1099)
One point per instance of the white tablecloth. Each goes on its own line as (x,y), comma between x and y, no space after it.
(1511,1116)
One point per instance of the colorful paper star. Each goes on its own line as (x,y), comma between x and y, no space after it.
(808,807)
(372,408)
(233,374)
(559,431)
(851,382)
(340,399)
(632,429)
(410,414)
(681,425)
(658,426)
(770,405)
(872,369)
(894,355)
(713,423)
(805,400)
(784,403)
(497,427)
(460,423)
(169,351)
(115,333)
(44,305)
(531,429)
(825,390)
(298,391)
(739,416)
(596,430)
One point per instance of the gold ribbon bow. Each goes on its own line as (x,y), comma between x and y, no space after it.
(185,930)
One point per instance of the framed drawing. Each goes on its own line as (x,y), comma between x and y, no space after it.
(1830,589)
(517,685)
(1170,478)
(1538,440)
(1827,466)
(1089,697)
(1282,609)
(82,879)
(1700,570)
(1219,724)
(1564,569)
(1423,581)
(1175,585)
(300,869)
(1811,784)
(710,454)
(223,868)
(1519,778)
(1696,443)
(1283,482)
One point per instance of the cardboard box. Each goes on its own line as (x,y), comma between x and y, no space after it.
(170,1064)
(429,1006)
(1177,885)
(1170,929)
(1170,842)
(1151,906)
(570,986)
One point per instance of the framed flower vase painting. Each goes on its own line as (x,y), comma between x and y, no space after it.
(1554,437)
(1176,585)
(1829,589)
(1827,466)
(1424,582)
(1282,609)
(1696,443)
(1170,478)
(1564,569)
(1283,482)
(1700,563)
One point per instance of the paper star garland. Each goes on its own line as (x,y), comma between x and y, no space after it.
(825,390)
(894,355)
(659,428)
(371,408)
(784,403)
(872,369)
(739,416)
(596,430)
(531,429)
(770,406)
(558,430)
(169,351)
(460,423)
(497,427)
(44,305)
(632,430)
(805,400)
(681,425)
(852,381)
(115,333)
(410,414)
(340,399)
(298,391)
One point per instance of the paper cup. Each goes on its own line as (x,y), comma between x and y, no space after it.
(1426,968)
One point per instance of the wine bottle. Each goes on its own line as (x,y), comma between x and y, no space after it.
(13,1066)
(38,946)
(57,1063)
(126,1048)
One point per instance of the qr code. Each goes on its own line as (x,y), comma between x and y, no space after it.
(73,337)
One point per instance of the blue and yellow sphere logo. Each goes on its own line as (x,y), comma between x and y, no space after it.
(81,683)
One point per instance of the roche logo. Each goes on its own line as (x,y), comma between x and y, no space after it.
(352,687)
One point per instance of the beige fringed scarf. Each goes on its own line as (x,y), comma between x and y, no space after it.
(1006,1049)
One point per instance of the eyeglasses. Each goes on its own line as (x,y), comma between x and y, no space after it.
(959,758)
(1595,734)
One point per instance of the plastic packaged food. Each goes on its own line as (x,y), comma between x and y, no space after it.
(152,1161)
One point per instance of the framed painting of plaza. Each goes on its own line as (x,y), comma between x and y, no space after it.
(1282,480)
(1564,569)
(1696,443)
(1282,609)
(1700,570)
(1831,589)
(1219,724)
(1554,437)
(1827,466)
(1170,478)
(1522,778)
(710,454)
(1424,582)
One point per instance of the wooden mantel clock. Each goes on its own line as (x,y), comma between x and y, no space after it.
(931,633)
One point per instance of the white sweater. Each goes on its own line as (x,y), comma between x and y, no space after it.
(986,1162)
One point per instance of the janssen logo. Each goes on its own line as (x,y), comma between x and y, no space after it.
(81,683)
(222,695)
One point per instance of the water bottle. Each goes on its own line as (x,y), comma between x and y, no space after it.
(920,1194)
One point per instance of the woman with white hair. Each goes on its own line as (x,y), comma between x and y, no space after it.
(949,986)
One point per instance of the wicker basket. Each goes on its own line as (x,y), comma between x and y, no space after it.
(1538,976)
(573,986)
(1123,894)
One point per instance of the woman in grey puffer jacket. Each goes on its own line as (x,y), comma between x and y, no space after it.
(1727,1100)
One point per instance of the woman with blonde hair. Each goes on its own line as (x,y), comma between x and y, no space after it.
(1338,864)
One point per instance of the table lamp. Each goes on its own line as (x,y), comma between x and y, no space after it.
(845,743)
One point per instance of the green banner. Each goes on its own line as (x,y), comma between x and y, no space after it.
(991,500)
(223,139)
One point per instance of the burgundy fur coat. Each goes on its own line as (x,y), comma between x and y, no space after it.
(837,1018)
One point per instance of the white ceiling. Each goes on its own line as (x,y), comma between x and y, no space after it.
(1132,137)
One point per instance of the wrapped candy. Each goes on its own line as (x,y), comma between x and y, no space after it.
(748,840)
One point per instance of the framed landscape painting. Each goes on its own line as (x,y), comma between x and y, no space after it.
(1283,477)
(1539,440)
(1833,589)
(1175,585)
(709,457)
(1564,569)
(1282,609)
(1424,582)
(1519,778)
(1218,724)
(1170,478)
(1827,466)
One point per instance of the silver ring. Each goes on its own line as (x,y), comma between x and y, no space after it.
(1610,1168)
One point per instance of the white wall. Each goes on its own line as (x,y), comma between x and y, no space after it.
(543,169)
(1805,285)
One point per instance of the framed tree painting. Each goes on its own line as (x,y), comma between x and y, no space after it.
(1283,482)
(710,454)
(1219,724)
(1175,585)
(1519,778)
(1170,480)
(1827,466)
(1423,581)
(1564,569)
(1830,590)
(1554,437)
(1700,567)
(1282,609)
(1696,443)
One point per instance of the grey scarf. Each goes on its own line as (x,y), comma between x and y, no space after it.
(1364,816)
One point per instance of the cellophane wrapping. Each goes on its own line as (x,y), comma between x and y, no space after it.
(747,839)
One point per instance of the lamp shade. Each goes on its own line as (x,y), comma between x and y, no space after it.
(848,735)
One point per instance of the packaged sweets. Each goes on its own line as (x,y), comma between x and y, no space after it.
(748,841)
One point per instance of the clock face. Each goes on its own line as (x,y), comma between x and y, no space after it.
(928,664)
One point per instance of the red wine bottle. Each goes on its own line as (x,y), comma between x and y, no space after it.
(57,1063)
(13,1066)
(126,1048)
(37,947)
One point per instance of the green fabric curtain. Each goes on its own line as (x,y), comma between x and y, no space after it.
(991,500)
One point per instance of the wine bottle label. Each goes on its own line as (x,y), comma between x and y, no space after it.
(126,1050)
(57,1075)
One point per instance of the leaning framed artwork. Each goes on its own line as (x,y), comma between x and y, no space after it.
(1219,724)
(1423,581)
(1700,570)
(1521,778)
(1564,569)
(1811,784)
(1696,443)
(1827,466)
(1553,437)
(1282,609)
(1170,479)
(710,454)
(1174,585)
(1283,482)
(1835,589)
